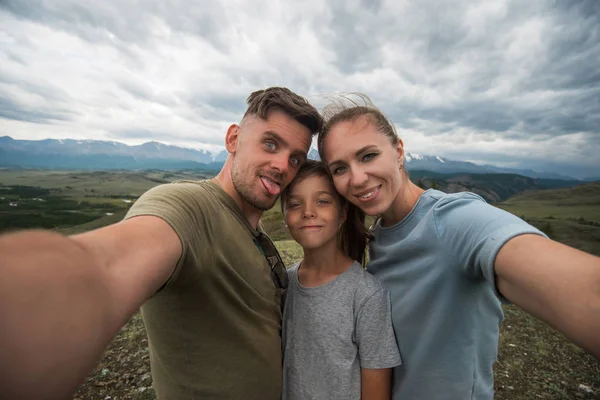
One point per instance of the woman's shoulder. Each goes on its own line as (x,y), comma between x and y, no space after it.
(441,198)
(461,204)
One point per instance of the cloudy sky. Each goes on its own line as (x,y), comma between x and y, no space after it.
(508,83)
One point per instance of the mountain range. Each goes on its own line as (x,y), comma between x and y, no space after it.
(98,154)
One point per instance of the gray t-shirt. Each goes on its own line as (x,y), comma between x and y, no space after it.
(438,264)
(332,331)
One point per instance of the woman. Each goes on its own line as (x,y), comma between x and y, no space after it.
(448,261)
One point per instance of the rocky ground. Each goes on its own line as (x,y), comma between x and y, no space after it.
(535,362)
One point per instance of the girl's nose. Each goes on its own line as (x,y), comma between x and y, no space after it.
(308,213)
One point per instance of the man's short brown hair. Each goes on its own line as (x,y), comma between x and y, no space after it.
(261,102)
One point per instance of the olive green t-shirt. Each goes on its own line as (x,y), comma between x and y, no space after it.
(213,329)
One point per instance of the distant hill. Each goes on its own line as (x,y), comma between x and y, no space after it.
(568,215)
(578,202)
(492,187)
(583,194)
(444,165)
(98,154)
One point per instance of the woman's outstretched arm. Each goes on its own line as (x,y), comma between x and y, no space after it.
(555,283)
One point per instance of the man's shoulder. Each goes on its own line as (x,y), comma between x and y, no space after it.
(176,201)
(182,191)
(183,186)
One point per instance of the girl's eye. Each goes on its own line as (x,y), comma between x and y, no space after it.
(292,205)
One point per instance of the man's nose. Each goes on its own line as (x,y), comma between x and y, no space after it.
(280,162)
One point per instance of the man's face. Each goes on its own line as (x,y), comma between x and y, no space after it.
(268,154)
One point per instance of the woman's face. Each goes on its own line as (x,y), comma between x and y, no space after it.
(365,165)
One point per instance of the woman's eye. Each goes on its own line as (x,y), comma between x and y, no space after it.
(369,157)
(338,170)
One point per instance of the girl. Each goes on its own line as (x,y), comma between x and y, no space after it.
(447,260)
(337,335)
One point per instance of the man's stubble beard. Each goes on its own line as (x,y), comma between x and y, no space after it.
(244,190)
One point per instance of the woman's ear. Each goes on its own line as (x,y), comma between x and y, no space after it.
(400,151)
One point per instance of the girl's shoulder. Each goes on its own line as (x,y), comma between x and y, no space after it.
(367,285)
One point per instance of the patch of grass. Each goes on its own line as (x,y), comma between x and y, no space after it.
(581,201)
(290,251)
(95,224)
(74,201)
(82,183)
(48,212)
(273,223)
(582,236)
(589,212)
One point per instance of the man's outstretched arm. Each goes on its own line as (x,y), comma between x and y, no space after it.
(62,299)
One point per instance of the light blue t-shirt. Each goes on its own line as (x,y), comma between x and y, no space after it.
(438,264)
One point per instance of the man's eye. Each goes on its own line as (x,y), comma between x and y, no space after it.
(270,145)
(295,161)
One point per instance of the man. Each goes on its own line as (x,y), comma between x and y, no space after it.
(190,251)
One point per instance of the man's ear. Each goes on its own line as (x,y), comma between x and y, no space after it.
(232,138)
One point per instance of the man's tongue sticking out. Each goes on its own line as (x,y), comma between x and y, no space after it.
(273,188)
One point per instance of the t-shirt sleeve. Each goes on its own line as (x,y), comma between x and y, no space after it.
(375,337)
(472,232)
(173,204)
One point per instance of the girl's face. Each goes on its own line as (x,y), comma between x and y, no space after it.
(365,165)
(313,213)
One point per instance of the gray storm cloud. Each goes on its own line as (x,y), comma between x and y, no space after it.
(506,82)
